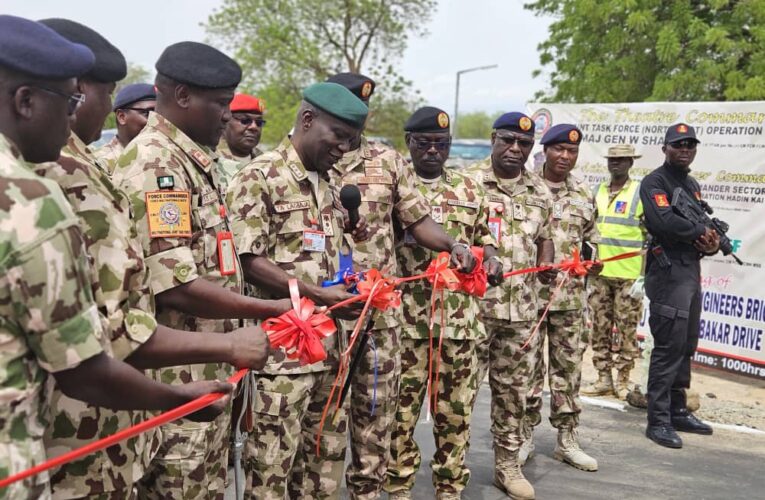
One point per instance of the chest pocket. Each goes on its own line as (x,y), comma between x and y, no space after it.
(288,227)
(577,220)
(460,223)
(210,222)
(376,200)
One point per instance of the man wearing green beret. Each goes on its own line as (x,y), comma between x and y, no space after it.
(460,205)
(389,197)
(287,226)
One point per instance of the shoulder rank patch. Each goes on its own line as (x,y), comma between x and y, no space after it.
(661,200)
(169,214)
(200,158)
(166,182)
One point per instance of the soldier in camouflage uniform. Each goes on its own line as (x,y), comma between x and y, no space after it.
(573,226)
(122,292)
(519,211)
(458,203)
(132,105)
(388,195)
(50,323)
(287,226)
(169,174)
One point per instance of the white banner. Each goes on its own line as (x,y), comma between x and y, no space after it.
(730,166)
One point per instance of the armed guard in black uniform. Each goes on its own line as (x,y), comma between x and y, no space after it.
(672,283)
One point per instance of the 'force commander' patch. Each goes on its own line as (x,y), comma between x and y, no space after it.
(169,214)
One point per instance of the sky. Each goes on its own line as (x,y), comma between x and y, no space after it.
(463,34)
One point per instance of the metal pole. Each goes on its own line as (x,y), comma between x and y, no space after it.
(457,94)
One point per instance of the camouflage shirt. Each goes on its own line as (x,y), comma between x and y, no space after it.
(172,181)
(125,301)
(273,203)
(229,164)
(460,206)
(388,191)
(572,223)
(109,153)
(519,212)
(48,321)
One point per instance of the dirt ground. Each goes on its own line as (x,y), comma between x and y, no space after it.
(725,398)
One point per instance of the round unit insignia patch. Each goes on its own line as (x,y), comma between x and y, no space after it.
(573,136)
(366,89)
(443,120)
(170,213)
(524,123)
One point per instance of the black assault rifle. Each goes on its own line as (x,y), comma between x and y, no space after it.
(698,211)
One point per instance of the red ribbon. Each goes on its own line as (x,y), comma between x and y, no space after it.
(300,331)
(385,294)
(476,281)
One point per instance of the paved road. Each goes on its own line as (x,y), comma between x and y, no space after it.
(727,465)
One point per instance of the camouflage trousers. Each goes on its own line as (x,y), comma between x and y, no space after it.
(510,371)
(457,385)
(191,463)
(611,304)
(371,432)
(564,330)
(280,455)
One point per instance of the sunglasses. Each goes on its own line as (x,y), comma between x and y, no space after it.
(686,144)
(143,111)
(73,100)
(247,121)
(509,140)
(424,145)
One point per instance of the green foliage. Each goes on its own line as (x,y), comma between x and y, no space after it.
(651,50)
(284,45)
(476,125)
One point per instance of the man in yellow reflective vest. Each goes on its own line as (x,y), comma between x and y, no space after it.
(613,307)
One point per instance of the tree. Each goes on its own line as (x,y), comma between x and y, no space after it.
(284,45)
(135,74)
(475,125)
(638,50)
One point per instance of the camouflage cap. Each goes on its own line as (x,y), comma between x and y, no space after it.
(622,151)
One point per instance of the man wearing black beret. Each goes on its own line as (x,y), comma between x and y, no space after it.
(170,175)
(573,228)
(459,204)
(519,213)
(48,309)
(132,106)
(388,196)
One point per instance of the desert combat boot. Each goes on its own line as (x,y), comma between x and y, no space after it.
(568,450)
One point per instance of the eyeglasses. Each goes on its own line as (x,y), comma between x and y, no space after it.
(247,121)
(686,144)
(73,100)
(509,140)
(144,111)
(424,145)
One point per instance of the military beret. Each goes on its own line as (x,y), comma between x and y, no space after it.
(362,86)
(563,133)
(110,64)
(679,132)
(34,49)
(338,101)
(199,65)
(246,102)
(515,121)
(134,93)
(428,119)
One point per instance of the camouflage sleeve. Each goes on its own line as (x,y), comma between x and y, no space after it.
(170,260)
(410,205)
(50,291)
(482,235)
(247,199)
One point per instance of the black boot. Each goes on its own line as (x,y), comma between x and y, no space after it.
(664,435)
(685,421)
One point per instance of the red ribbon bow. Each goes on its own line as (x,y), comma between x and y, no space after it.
(476,281)
(439,274)
(300,331)
(385,295)
(575,266)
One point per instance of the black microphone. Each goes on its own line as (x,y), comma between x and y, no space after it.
(350,199)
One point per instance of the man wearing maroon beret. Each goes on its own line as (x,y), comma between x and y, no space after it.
(242,135)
